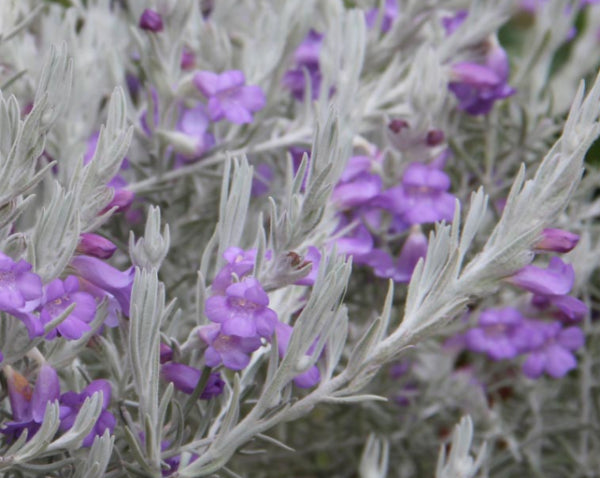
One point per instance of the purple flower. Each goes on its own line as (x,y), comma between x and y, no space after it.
(102,280)
(58,295)
(557,240)
(567,308)
(477,86)
(306,63)
(243,310)
(358,241)
(71,403)
(151,21)
(306,379)
(390,12)
(357,185)
(230,350)
(499,334)
(28,406)
(228,97)
(555,355)
(185,379)
(95,245)
(452,23)
(193,138)
(414,248)
(556,279)
(166,353)
(239,263)
(18,286)
(422,197)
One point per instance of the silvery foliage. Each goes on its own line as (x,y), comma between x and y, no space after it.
(205,207)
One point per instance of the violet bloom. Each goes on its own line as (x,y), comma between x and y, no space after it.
(306,64)
(261,183)
(230,350)
(28,406)
(567,308)
(102,280)
(151,20)
(388,16)
(477,86)
(556,279)
(414,248)
(193,139)
(239,264)
(228,96)
(421,198)
(555,356)
(357,185)
(18,286)
(243,310)
(95,245)
(306,379)
(557,240)
(499,334)
(357,242)
(58,295)
(71,403)
(185,379)
(452,23)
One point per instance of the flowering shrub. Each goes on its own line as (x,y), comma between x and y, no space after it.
(336,238)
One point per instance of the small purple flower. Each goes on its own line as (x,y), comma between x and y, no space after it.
(185,379)
(103,280)
(243,310)
(166,353)
(193,138)
(557,240)
(230,350)
(452,23)
(228,96)
(422,197)
(357,185)
(567,308)
(358,241)
(71,403)
(239,263)
(58,295)
(414,248)
(555,355)
(151,20)
(499,334)
(477,86)
(306,63)
(389,14)
(556,279)
(95,245)
(306,379)
(263,176)
(28,406)
(18,286)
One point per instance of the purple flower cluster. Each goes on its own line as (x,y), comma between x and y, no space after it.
(241,318)
(548,346)
(29,405)
(306,65)
(478,84)
(363,202)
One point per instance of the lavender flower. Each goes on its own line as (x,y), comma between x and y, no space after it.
(306,379)
(95,245)
(306,63)
(239,264)
(556,279)
(58,295)
(28,406)
(230,350)
(151,21)
(71,402)
(421,198)
(228,96)
(499,334)
(557,240)
(243,310)
(192,138)
(18,286)
(185,379)
(103,280)
(555,355)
